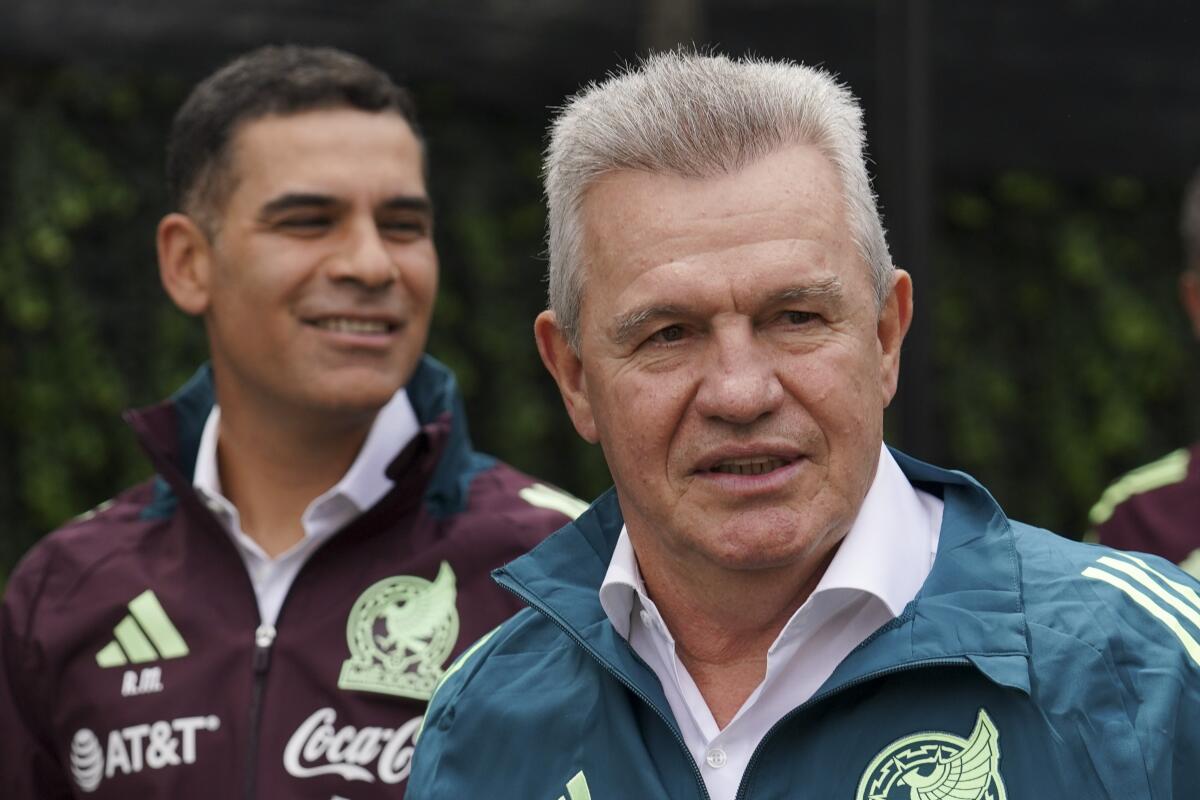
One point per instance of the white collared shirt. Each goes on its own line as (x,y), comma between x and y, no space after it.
(363,485)
(878,568)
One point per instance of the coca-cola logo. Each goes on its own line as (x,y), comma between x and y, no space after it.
(319,747)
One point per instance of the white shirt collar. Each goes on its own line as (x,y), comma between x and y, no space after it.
(887,553)
(363,485)
(878,568)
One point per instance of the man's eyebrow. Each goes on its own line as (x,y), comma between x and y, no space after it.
(408,202)
(626,326)
(829,290)
(290,200)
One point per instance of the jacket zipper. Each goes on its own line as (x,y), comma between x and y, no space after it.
(264,638)
(537,605)
(754,757)
(820,698)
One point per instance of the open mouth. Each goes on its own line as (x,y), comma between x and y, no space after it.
(759,465)
(368,327)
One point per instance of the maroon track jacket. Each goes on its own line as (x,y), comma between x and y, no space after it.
(133,664)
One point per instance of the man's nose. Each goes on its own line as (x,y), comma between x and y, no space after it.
(364,257)
(740,382)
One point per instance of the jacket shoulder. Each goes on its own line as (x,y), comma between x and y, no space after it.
(509,675)
(519,507)
(1166,471)
(504,486)
(111,530)
(484,668)
(1116,635)
(1140,607)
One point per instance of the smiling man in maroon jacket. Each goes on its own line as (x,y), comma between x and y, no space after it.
(269,615)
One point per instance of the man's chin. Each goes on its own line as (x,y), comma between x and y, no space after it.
(352,398)
(768,541)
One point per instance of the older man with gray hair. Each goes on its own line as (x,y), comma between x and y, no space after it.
(771,603)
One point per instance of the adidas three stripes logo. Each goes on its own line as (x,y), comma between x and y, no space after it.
(145,634)
(1175,605)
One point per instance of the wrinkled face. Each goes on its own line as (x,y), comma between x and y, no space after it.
(734,366)
(322,274)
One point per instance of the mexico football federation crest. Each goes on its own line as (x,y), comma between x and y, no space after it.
(400,632)
(937,766)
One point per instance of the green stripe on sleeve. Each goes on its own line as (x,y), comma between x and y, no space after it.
(455,667)
(543,496)
(1169,469)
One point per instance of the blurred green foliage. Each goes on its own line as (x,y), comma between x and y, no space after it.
(1061,356)
(83,332)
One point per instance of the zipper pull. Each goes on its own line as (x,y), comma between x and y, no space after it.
(264,637)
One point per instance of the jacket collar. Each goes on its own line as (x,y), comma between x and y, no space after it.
(440,459)
(969,609)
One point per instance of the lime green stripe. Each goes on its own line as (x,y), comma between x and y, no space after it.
(455,667)
(543,496)
(1190,613)
(1171,468)
(577,788)
(111,656)
(1167,619)
(134,642)
(150,615)
(462,660)
(1182,588)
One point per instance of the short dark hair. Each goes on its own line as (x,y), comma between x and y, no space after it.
(270,80)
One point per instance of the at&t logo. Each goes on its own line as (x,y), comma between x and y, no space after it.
(154,745)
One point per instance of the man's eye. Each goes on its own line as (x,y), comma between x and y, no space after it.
(403,228)
(304,224)
(669,334)
(798,317)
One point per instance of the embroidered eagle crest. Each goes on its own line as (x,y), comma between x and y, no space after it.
(937,766)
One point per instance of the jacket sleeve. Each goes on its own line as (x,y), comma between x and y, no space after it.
(1155,642)
(29,767)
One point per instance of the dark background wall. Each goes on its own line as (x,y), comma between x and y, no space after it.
(1029,158)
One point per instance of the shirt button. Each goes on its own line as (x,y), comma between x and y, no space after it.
(645,615)
(716,758)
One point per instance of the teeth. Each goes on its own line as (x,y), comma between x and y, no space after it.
(750,466)
(342,325)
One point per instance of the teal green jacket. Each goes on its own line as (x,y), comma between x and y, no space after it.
(1028,667)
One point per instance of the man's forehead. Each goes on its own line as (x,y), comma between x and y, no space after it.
(308,150)
(650,208)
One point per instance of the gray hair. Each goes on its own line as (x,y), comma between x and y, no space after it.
(1189,223)
(698,115)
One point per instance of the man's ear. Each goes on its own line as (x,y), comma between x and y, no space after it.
(184,262)
(566,368)
(894,321)
(1189,294)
